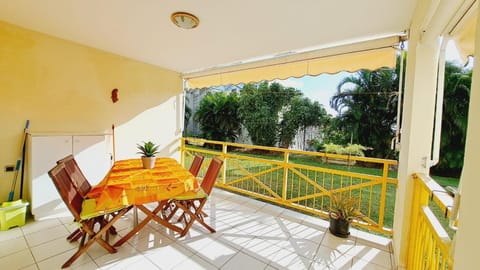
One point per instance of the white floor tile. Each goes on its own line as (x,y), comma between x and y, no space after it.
(261,250)
(216,253)
(194,262)
(30,267)
(366,265)
(52,248)
(17,260)
(129,262)
(303,247)
(371,255)
(285,259)
(337,243)
(124,253)
(326,256)
(35,226)
(250,235)
(11,234)
(168,256)
(55,262)
(12,246)
(46,235)
(368,239)
(151,240)
(242,261)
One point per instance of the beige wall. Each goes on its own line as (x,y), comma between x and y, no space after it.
(63,87)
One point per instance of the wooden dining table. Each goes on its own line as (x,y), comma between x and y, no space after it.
(127,183)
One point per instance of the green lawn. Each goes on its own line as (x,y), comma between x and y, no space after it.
(446,181)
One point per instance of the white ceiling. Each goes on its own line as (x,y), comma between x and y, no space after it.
(229,30)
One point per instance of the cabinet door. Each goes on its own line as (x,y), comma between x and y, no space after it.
(92,154)
(44,153)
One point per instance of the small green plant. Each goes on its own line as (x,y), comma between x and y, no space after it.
(350,149)
(148,149)
(344,206)
(334,148)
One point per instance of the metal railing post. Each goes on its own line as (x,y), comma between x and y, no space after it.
(225,161)
(286,156)
(383,195)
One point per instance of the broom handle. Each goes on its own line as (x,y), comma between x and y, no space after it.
(19,162)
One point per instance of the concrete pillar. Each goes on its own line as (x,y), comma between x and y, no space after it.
(417,129)
(467,237)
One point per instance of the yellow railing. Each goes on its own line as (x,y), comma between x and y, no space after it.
(302,180)
(429,245)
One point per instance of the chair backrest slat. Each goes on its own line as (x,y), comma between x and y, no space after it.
(76,174)
(69,193)
(211,175)
(196,164)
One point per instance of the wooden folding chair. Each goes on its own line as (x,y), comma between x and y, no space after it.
(196,164)
(83,187)
(194,170)
(192,202)
(84,213)
(76,174)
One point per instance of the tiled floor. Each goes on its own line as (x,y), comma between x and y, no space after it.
(250,235)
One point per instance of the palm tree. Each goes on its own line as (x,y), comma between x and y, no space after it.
(367,107)
(454,119)
(218,116)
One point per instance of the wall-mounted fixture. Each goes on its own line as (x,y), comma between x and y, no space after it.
(185,20)
(114,95)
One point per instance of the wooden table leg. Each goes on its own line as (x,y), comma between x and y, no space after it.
(150,215)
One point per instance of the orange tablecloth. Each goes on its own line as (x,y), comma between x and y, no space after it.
(127,183)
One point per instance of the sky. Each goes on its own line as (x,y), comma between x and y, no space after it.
(322,87)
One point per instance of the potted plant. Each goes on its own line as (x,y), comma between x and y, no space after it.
(148,151)
(344,209)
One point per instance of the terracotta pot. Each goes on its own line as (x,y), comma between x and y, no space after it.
(339,227)
(148,162)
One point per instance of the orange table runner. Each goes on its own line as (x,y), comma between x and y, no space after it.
(127,183)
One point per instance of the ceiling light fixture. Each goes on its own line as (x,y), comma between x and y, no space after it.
(185,20)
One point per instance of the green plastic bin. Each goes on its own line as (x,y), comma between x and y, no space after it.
(12,214)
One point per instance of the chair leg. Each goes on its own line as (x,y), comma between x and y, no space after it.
(87,227)
(196,216)
(75,235)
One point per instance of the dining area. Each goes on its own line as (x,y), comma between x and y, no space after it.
(178,195)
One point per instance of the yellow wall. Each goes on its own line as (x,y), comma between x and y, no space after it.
(64,87)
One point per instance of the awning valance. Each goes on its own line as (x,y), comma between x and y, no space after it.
(365,55)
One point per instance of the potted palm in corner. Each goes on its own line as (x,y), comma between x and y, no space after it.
(344,209)
(148,151)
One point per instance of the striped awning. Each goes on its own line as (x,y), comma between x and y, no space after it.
(371,55)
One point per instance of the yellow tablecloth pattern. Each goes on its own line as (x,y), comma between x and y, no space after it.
(127,183)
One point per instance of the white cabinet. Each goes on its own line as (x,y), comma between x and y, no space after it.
(92,153)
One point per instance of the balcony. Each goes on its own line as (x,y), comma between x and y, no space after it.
(268,215)
(250,235)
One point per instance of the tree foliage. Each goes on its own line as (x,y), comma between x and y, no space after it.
(218,116)
(367,107)
(454,119)
(259,110)
(298,115)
